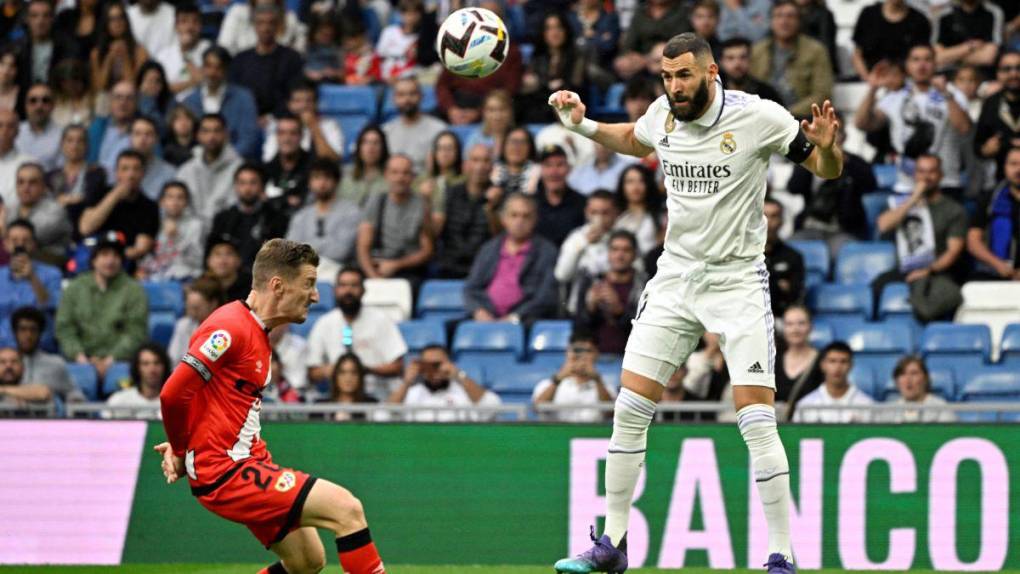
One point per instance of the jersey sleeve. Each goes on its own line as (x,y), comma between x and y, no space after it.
(211,347)
(777,127)
(644,128)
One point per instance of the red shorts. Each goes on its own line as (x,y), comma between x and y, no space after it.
(264,497)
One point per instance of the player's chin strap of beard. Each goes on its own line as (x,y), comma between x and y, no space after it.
(587,127)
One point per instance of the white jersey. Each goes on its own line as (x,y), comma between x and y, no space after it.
(715,168)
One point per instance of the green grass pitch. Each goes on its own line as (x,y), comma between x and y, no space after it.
(394,569)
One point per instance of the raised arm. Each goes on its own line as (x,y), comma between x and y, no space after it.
(826,159)
(617,137)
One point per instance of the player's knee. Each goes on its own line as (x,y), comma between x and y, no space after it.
(352,511)
(311,562)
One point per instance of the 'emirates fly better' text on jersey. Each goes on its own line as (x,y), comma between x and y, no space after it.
(715,168)
(231,352)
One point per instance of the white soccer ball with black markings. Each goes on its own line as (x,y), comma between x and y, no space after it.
(472,42)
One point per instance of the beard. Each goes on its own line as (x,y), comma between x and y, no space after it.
(408,110)
(436,385)
(696,103)
(349,305)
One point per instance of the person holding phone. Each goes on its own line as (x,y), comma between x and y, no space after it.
(577,383)
(433,380)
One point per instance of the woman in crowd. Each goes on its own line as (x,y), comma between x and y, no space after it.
(442,171)
(117,56)
(322,62)
(179,245)
(365,176)
(150,368)
(797,371)
(639,210)
(201,297)
(280,389)
(497,121)
(9,89)
(73,100)
(517,170)
(347,386)
(179,140)
(81,23)
(397,45)
(556,65)
(154,96)
(237,32)
(75,178)
(913,381)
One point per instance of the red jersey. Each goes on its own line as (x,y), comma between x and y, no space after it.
(230,350)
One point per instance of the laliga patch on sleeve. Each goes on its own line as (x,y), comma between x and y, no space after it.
(217,344)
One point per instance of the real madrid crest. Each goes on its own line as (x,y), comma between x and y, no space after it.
(670,122)
(728,145)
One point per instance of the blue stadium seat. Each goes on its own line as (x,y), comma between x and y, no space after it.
(161,327)
(895,300)
(874,204)
(1009,351)
(495,345)
(991,385)
(859,262)
(441,299)
(341,100)
(118,376)
(533,129)
(880,365)
(885,174)
(822,332)
(907,321)
(463,132)
(612,103)
(164,296)
(816,259)
(303,329)
(846,300)
(863,377)
(519,379)
(956,340)
(351,126)
(943,384)
(420,333)
(526,51)
(475,369)
(549,339)
(84,377)
(326,299)
(878,338)
(429,102)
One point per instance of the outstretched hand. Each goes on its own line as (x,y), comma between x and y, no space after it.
(568,106)
(823,127)
(172,465)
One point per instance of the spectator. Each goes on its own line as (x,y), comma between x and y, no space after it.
(497,119)
(182,57)
(23,281)
(71,183)
(40,367)
(603,173)
(178,253)
(929,230)
(411,132)
(364,179)
(10,90)
(154,95)
(41,49)
(785,265)
(330,223)
(395,238)
(361,63)
(998,126)
(39,135)
(597,31)
(578,149)
(833,209)
(460,98)
(152,21)
(577,383)
(797,66)
(557,64)
(836,359)
(287,172)
(117,56)
(179,143)
(73,99)
(231,100)
(150,369)
(348,387)
(103,313)
(818,22)
(607,302)
(80,24)
(885,31)
(637,200)
(223,264)
(251,220)
(144,139)
(744,19)
(239,30)
(586,250)
(14,388)
(268,68)
(351,328)
(638,94)
(970,34)
(560,208)
(433,380)
(517,171)
(397,45)
(657,21)
(124,209)
(471,216)
(913,383)
(797,372)
(320,136)
(212,168)
(291,349)
(705,23)
(48,218)
(322,58)
(921,118)
(110,135)
(10,157)
(512,276)
(443,171)
(735,67)
(279,388)
(993,239)
(201,297)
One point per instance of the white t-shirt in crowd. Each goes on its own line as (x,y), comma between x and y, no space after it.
(571,391)
(915,411)
(131,397)
(452,396)
(821,397)
(330,130)
(154,31)
(376,341)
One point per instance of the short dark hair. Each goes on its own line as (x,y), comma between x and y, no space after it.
(28,314)
(604,195)
(283,258)
(350,269)
(288,117)
(22,222)
(33,165)
(132,154)
(252,167)
(303,85)
(176,183)
(434,347)
(579,335)
(781,3)
(905,361)
(684,43)
(149,347)
(215,116)
(209,288)
(624,234)
(1003,54)
(735,42)
(147,120)
(709,4)
(835,347)
(186,7)
(926,46)
(323,166)
(218,52)
(639,87)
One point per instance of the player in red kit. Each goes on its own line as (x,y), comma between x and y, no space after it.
(211,406)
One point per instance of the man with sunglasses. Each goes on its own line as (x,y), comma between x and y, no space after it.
(433,380)
(998,126)
(577,383)
(39,135)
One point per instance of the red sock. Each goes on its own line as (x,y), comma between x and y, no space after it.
(274,569)
(358,554)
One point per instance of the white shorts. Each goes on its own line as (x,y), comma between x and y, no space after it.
(679,304)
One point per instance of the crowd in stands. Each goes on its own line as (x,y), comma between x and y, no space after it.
(152,146)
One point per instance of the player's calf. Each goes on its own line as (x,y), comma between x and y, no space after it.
(334,507)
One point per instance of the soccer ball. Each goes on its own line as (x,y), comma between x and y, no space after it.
(472,42)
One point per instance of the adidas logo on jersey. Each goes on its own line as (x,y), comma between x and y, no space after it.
(664,142)
(756,369)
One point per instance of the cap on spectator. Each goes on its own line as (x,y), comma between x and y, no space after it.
(551,150)
(109,240)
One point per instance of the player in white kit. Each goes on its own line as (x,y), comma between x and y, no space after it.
(714,147)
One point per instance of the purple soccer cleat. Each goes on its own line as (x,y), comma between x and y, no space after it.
(778,564)
(603,557)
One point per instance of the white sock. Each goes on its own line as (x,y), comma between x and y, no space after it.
(631,418)
(771,472)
